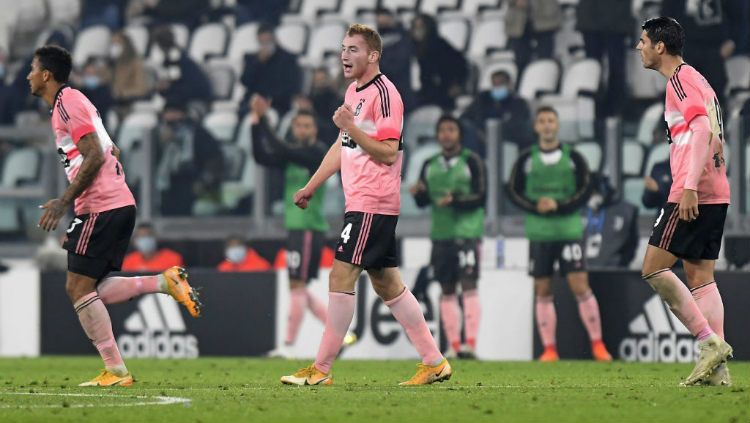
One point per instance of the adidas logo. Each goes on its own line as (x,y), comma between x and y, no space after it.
(658,337)
(158,331)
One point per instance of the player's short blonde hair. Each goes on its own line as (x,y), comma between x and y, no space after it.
(371,36)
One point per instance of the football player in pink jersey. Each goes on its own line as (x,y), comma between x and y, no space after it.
(691,224)
(369,155)
(99,234)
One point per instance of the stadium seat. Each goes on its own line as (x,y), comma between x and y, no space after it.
(632,158)
(510,154)
(134,130)
(222,79)
(417,157)
(575,103)
(473,8)
(293,37)
(221,124)
(433,7)
(643,83)
(420,125)
(657,153)
(485,79)
(234,161)
(309,10)
(63,11)
(351,9)
(244,41)
(592,152)
(456,31)
(738,73)
(181,37)
(651,117)
(29,14)
(632,191)
(91,42)
(582,77)
(539,77)
(209,40)
(325,38)
(22,167)
(334,204)
(399,5)
(488,36)
(139,36)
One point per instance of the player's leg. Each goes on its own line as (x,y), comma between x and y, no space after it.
(469,275)
(541,267)
(672,236)
(588,310)
(94,319)
(298,251)
(445,264)
(386,282)
(312,265)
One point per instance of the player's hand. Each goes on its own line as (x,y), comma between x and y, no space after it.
(302,197)
(546,205)
(418,187)
(726,49)
(445,200)
(650,184)
(343,117)
(54,210)
(689,205)
(258,107)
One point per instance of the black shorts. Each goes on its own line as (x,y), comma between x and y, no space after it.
(455,259)
(303,254)
(570,256)
(699,239)
(368,240)
(97,242)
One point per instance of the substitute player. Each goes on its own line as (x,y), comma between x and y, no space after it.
(369,155)
(691,224)
(551,182)
(454,182)
(307,228)
(99,234)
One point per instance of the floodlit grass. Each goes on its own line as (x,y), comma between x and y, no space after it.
(248,390)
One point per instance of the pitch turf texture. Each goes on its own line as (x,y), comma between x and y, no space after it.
(247,390)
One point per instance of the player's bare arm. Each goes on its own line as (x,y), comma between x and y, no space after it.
(331,164)
(385,151)
(699,154)
(93,159)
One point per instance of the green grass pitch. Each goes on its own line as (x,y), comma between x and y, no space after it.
(247,390)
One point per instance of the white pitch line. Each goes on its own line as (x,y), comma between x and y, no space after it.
(158,400)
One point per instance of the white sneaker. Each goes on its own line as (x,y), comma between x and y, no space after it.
(450,353)
(719,377)
(467,352)
(280,352)
(714,351)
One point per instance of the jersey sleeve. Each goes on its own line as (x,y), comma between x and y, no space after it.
(687,97)
(77,117)
(389,114)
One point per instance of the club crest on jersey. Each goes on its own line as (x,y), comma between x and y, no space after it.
(359,107)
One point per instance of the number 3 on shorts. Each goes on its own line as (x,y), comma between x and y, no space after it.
(345,233)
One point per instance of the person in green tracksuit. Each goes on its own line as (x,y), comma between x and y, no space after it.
(551,183)
(307,228)
(454,183)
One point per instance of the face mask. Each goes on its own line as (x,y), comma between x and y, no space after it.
(499,93)
(145,244)
(90,81)
(236,254)
(115,51)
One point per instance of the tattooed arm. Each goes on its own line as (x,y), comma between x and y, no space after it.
(93,159)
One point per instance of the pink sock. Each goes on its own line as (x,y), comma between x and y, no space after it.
(340,314)
(297,308)
(677,296)
(588,309)
(119,289)
(406,310)
(449,314)
(316,306)
(709,302)
(546,320)
(472,315)
(95,321)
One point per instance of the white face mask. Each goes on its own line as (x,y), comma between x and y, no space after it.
(145,244)
(236,254)
(115,51)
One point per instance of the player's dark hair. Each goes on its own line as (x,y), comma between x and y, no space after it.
(305,112)
(501,72)
(235,237)
(450,118)
(546,109)
(56,60)
(668,31)
(145,225)
(266,28)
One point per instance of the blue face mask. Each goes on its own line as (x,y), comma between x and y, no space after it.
(499,93)
(90,81)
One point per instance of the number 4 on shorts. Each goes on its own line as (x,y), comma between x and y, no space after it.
(345,233)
